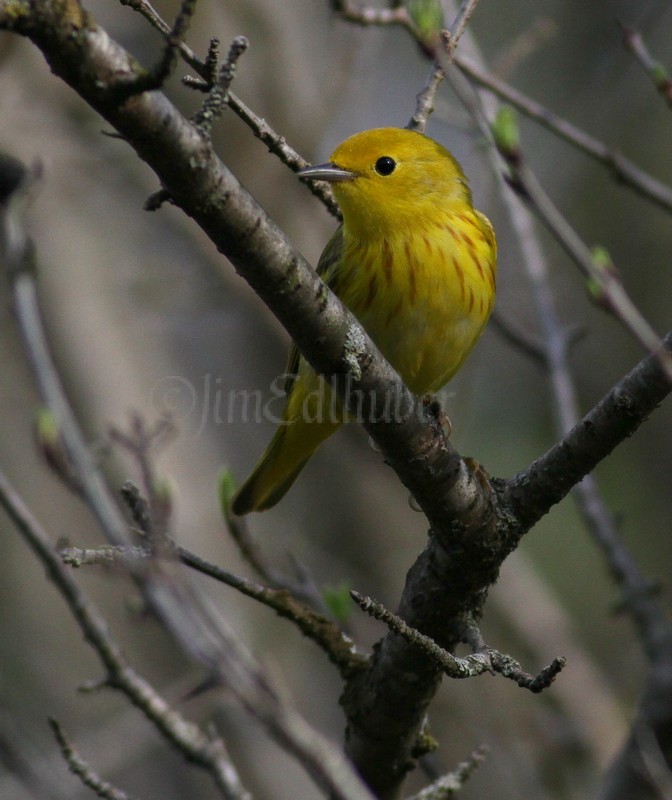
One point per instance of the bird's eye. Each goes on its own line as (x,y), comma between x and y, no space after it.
(385,165)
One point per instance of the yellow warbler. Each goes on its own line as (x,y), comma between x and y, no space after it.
(413,260)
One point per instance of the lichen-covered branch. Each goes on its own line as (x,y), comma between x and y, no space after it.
(209,753)
(473,527)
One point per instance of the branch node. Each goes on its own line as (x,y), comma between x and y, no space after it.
(157,199)
(79,767)
(451,783)
(150,515)
(509,668)
(208,70)
(219,83)
(154,78)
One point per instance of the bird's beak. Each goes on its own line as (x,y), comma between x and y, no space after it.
(327,172)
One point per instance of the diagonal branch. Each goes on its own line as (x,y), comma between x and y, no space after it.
(203,635)
(633,41)
(447,586)
(622,168)
(530,493)
(602,278)
(82,770)
(208,753)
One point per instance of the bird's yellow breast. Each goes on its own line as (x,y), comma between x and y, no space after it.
(424,296)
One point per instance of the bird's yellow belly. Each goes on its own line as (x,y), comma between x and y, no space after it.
(425,306)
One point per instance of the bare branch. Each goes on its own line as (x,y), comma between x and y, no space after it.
(605,284)
(201,634)
(438,44)
(214,103)
(451,665)
(301,586)
(82,770)
(141,441)
(447,786)
(351,11)
(454,34)
(207,70)
(317,627)
(628,403)
(509,668)
(424,101)
(208,753)
(323,631)
(484,658)
(633,41)
(623,170)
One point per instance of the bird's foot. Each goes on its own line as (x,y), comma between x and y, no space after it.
(433,406)
(479,472)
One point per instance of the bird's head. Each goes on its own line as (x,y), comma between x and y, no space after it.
(391,177)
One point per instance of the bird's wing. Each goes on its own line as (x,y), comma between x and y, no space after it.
(326,270)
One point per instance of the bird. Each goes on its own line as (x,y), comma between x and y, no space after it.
(413,260)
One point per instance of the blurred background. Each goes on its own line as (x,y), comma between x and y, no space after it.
(145,315)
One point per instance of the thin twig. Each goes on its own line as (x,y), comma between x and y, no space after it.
(622,168)
(214,103)
(105,555)
(452,666)
(141,441)
(22,761)
(317,627)
(510,668)
(424,101)
(458,27)
(633,41)
(484,659)
(302,587)
(276,143)
(202,634)
(207,752)
(605,283)
(447,786)
(155,77)
(79,767)
(145,8)
(521,340)
(438,44)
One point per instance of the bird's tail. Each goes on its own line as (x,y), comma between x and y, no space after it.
(280,465)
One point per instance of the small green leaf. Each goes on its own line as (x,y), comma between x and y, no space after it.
(660,75)
(46,428)
(427,16)
(506,131)
(227,488)
(605,269)
(338,601)
(50,444)
(601,258)
(164,495)
(595,290)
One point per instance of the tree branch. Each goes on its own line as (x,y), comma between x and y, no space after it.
(622,168)
(530,493)
(633,41)
(82,770)
(208,753)
(473,529)
(602,278)
(187,616)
